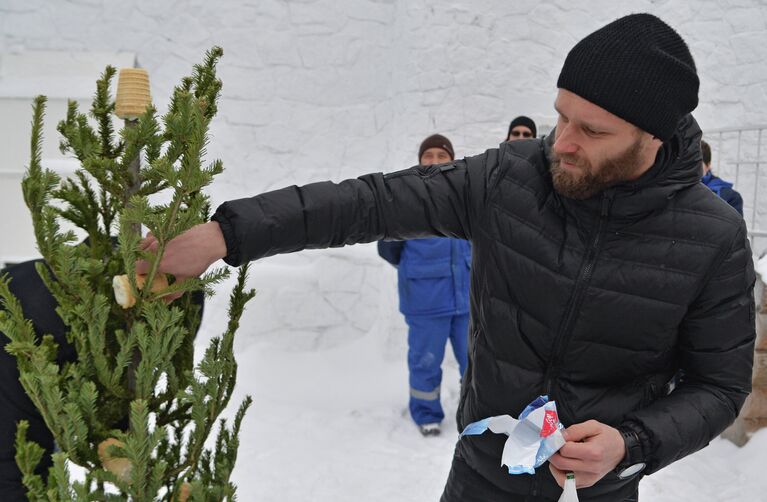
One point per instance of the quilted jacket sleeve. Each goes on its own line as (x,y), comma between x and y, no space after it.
(716,348)
(439,200)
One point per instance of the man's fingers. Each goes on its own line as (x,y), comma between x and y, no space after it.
(584,451)
(566,464)
(142,267)
(178,294)
(148,242)
(173,296)
(559,476)
(579,432)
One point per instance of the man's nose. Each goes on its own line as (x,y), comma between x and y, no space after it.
(565,141)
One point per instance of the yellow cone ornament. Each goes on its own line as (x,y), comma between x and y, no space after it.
(132,93)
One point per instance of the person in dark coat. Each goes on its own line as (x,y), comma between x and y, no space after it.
(15,405)
(716,184)
(601,266)
(521,128)
(39,306)
(433,284)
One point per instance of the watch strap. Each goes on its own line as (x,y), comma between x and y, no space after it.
(634,454)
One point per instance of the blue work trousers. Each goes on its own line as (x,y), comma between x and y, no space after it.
(427,337)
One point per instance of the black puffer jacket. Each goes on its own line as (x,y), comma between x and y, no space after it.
(38,305)
(596,303)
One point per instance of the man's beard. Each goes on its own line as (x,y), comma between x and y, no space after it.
(586,181)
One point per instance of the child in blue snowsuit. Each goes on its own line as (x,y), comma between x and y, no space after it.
(433,281)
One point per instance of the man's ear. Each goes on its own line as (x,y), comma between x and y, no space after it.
(655,143)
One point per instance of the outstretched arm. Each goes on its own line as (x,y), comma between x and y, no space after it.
(441,200)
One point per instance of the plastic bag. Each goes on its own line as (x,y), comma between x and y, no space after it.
(533,438)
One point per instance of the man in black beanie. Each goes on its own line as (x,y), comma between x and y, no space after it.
(601,267)
(521,128)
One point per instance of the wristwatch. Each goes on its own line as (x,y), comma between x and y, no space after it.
(633,462)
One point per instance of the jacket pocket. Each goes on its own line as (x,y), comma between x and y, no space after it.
(426,270)
(426,288)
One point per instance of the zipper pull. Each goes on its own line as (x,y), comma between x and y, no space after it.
(607,200)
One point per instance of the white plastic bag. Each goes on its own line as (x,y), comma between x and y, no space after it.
(533,438)
(570,494)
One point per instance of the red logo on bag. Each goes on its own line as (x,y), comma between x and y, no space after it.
(550,421)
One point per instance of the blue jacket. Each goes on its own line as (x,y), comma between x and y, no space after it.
(433,274)
(724,190)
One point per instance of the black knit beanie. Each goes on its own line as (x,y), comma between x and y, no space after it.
(523,121)
(637,68)
(436,141)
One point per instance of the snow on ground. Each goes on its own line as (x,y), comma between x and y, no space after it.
(333,425)
(329,423)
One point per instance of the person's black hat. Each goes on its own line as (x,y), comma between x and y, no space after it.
(523,121)
(637,68)
(436,141)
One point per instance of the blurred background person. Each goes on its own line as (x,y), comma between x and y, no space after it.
(716,184)
(433,283)
(522,128)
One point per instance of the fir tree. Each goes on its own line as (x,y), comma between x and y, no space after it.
(133,409)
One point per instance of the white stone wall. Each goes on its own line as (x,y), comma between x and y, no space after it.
(330,89)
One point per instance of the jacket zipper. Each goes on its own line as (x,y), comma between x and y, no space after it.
(580,287)
(584,277)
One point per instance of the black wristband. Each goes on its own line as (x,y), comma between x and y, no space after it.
(633,460)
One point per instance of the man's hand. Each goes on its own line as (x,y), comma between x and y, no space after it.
(592,450)
(189,254)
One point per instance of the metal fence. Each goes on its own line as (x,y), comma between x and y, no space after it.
(739,155)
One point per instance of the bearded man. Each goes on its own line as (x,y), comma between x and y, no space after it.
(601,266)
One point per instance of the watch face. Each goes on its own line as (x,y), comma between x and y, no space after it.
(631,470)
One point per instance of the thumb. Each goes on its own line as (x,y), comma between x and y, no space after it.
(559,476)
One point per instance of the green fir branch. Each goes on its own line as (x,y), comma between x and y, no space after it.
(134,378)
(102,110)
(78,137)
(28,456)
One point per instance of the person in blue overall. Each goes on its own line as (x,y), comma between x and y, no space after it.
(433,281)
(716,184)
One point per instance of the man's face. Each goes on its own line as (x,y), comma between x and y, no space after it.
(520,132)
(434,155)
(595,149)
